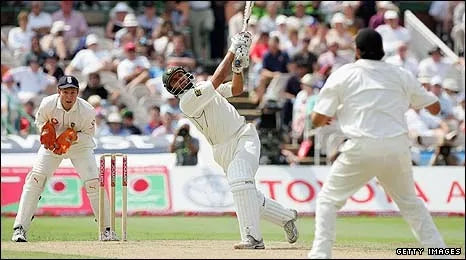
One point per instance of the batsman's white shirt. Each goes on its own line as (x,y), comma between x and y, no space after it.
(81,117)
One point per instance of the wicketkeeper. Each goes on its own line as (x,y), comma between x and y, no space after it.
(67,125)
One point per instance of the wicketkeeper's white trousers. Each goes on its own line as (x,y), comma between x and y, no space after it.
(361,159)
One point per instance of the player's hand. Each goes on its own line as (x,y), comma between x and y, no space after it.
(240,39)
(48,136)
(241,60)
(65,140)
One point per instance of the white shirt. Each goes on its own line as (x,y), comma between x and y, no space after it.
(126,67)
(409,63)
(31,82)
(430,68)
(208,109)
(81,117)
(88,60)
(370,98)
(39,21)
(18,39)
(417,124)
(392,37)
(267,24)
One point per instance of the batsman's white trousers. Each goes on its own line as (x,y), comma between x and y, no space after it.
(239,158)
(361,159)
(45,165)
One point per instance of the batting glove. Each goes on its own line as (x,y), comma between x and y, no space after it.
(241,60)
(240,39)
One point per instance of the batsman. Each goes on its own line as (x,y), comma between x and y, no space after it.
(235,143)
(67,126)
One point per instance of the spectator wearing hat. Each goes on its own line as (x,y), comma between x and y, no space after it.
(56,41)
(74,19)
(115,126)
(38,21)
(425,81)
(19,38)
(392,33)
(36,49)
(130,28)
(117,17)
(451,90)
(378,19)
(267,23)
(300,106)
(281,30)
(128,123)
(332,57)
(402,59)
(134,69)
(91,59)
(149,21)
(32,80)
(180,55)
(435,65)
(446,105)
(339,33)
(51,66)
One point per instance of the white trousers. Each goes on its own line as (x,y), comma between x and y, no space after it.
(389,160)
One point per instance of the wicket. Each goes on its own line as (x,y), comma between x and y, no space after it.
(124,191)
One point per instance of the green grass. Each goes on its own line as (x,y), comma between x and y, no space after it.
(9,254)
(370,232)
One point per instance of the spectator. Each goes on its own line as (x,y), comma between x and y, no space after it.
(425,81)
(39,22)
(180,56)
(55,41)
(134,69)
(115,126)
(311,58)
(427,130)
(101,126)
(32,81)
(10,104)
(162,37)
(457,32)
(392,33)
(117,16)
(168,126)
(94,87)
(260,48)
(201,23)
(155,120)
(131,28)
(293,46)
(19,38)
(378,18)
(36,50)
(149,21)
(331,57)
(353,23)
(274,64)
(91,59)
(51,66)
(339,33)
(235,24)
(74,19)
(128,123)
(300,106)
(171,104)
(267,22)
(298,68)
(282,31)
(26,119)
(403,60)
(185,146)
(318,44)
(446,105)
(435,65)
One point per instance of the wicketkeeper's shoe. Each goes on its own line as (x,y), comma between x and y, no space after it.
(251,243)
(110,235)
(291,231)
(19,234)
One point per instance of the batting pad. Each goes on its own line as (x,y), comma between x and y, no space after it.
(92,189)
(242,184)
(273,211)
(33,187)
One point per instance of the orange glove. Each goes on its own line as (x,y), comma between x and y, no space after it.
(65,140)
(48,135)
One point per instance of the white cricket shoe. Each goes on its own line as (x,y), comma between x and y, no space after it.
(110,236)
(251,243)
(291,231)
(19,234)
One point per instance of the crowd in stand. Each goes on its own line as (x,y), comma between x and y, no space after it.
(296,46)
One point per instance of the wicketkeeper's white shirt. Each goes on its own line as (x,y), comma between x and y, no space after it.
(370,98)
(81,117)
(208,109)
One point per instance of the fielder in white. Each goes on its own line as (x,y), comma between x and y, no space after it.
(236,144)
(72,119)
(369,98)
